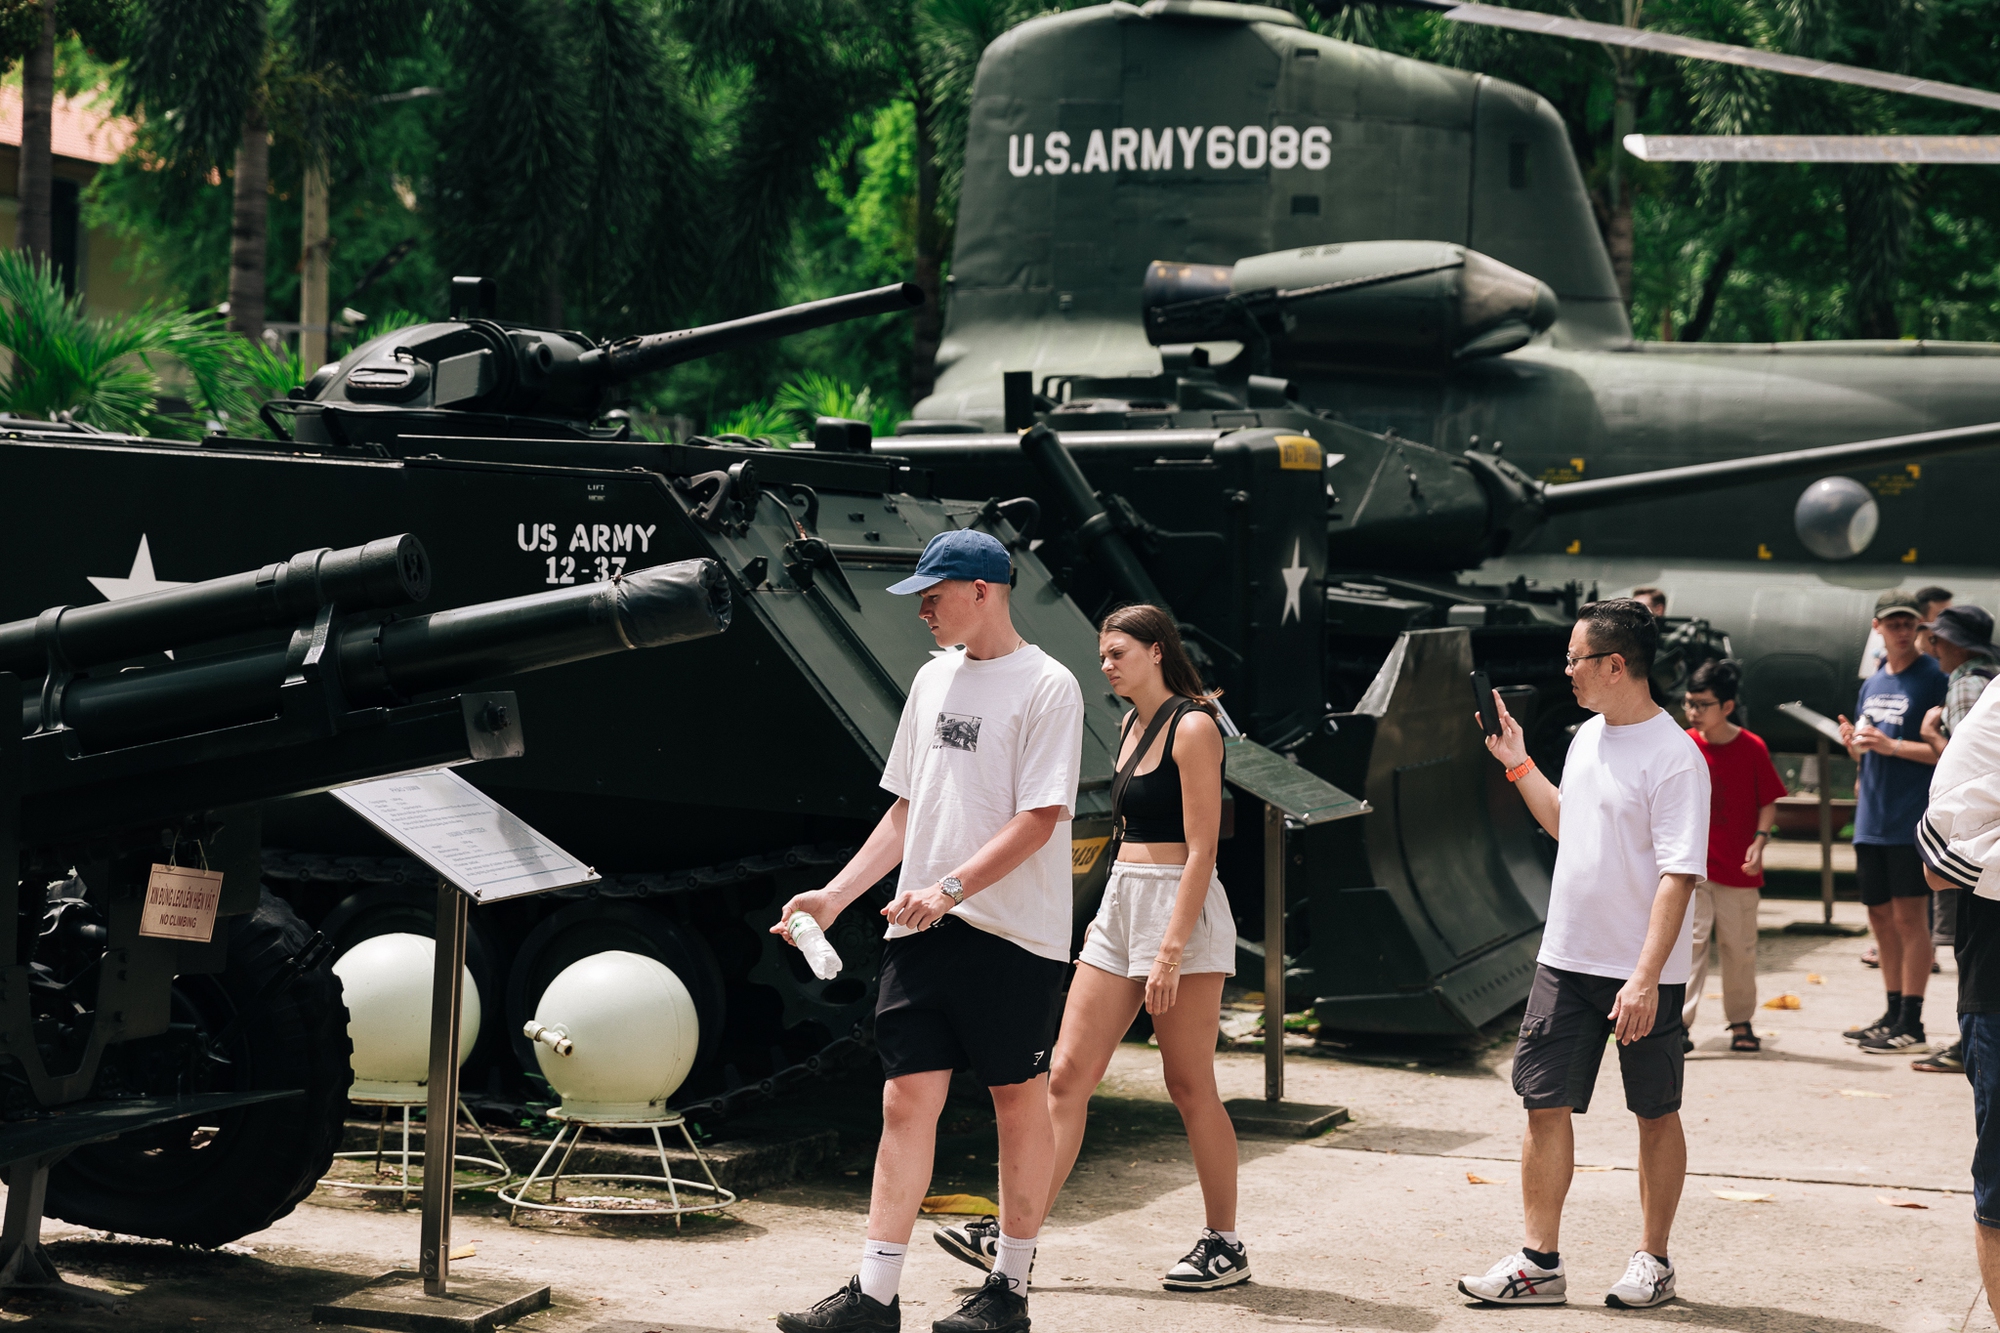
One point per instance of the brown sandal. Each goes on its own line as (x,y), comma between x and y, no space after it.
(1743,1039)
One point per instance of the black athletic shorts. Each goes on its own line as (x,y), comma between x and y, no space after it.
(1885,872)
(1562,1044)
(958,997)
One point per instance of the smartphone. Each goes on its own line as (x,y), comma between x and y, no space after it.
(1482,697)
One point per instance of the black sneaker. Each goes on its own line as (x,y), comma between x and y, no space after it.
(1899,1040)
(1212,1263)
(1950,1060)
(976,1242)
(1879,1028)
(848,1308)
(995,1308)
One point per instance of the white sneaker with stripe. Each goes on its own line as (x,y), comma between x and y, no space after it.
(1518,1280)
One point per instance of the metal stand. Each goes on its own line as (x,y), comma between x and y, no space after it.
(496,1164)
(1274,1115)
(1825,925)
(674,1207)
(393,1300)
(25,1267)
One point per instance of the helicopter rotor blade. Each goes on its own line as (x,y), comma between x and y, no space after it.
(1939,148)
(1695,48)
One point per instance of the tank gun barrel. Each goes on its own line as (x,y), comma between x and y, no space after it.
(1079,503)
(390,572)
(379,664)
(1603,492)
(632,357)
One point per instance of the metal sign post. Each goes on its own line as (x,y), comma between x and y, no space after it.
(1294,799)
(481,853)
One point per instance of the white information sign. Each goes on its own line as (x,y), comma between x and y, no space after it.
(464,835)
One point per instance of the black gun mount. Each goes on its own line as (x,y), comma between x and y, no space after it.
(478,376)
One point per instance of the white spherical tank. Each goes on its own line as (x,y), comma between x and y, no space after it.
(1836,518)
(386,981)
(631,1030)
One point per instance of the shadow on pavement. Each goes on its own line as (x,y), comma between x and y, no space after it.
(1748,1319)
(163,1287)
(1305,1304)
(1396,1138)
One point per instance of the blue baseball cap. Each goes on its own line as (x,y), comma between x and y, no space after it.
(958,554)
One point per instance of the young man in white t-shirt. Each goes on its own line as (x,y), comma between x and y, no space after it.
(984,771)
(1631,824)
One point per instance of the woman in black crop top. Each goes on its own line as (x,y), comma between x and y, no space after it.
(1163,937)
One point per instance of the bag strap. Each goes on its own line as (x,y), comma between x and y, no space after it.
(1174,708)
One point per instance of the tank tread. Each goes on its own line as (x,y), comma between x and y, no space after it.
(312,867)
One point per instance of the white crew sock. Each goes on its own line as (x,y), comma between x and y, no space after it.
(1014,1260)
(881,1269)
(1229,1236)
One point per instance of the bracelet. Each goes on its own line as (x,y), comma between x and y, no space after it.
(1164,963)
(1762,833)
(1520,770)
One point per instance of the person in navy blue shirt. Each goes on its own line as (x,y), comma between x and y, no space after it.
(1885,738)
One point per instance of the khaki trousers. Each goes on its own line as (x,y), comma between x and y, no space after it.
(1730,916)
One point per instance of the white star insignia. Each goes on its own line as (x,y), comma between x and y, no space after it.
(1295,580)
(140,580)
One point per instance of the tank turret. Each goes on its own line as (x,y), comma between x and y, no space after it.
(475,375)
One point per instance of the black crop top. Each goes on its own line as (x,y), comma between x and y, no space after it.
(1152,803)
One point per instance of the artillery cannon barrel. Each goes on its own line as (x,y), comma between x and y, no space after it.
(383,663)
(390,572)
(1060,473)
(1603,492)
(630,357)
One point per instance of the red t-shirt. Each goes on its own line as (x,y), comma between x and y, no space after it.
(1741,781)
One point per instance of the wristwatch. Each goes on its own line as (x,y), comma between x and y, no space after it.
(953,889)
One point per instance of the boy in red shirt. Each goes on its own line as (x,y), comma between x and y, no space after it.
(1744,788)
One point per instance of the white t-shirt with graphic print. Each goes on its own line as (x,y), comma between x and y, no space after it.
(980,742)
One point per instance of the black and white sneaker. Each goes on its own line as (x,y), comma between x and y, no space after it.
(1879,1028)
(1212,1263)
(849,1310)
(995,1308)
(976,1242)
(1647,1282)
(1518,1280)
(1898,1040)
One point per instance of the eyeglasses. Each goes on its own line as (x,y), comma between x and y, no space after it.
(1694,707)
(1569,663)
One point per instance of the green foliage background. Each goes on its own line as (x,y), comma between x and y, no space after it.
(625,165)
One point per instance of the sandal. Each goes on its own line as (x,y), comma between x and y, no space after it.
(1743,1039)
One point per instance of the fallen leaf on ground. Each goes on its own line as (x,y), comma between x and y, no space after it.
(1471,1179)
(1899,1203)
(1815,979)
(1863,1092)
(1743,1196)
(466,1251)
(1785,1001)
(969,1205)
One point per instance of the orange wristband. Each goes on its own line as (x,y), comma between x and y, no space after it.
(1521,770)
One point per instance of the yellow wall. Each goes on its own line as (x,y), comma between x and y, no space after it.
(108,285)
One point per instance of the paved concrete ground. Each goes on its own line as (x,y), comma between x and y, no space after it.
(1366,1228)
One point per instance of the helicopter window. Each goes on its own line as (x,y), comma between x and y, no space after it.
(1305,205)
(1517,165)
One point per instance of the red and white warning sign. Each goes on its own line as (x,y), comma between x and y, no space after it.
(181,903)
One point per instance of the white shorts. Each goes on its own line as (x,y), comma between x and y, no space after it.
(1131,923)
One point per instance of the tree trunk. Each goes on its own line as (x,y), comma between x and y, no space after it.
(1618,235)
(314,247)
(549,306)
(35,184)
(249,232)
(928,324)
(1711,290)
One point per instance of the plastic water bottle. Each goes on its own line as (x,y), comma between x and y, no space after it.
(820,957)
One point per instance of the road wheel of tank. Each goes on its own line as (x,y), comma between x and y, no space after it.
(242,1170)
(597,925)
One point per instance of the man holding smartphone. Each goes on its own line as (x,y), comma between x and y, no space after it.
(1631,823)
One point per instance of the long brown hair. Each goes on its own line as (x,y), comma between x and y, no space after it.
(1149,624)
